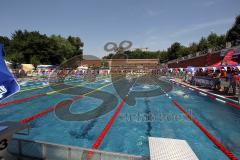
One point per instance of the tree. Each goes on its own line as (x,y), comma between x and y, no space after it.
(193,47)
(215,41)
(233,35)
(212,40)
(163,56)
(77,43)
(173,50)
(63,47)
(203,45)
(36,48)
(4,40)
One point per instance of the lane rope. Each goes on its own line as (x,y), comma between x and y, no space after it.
(108,125)
(213,97)
(40,87)
(50,109)
(230,155)
(41,95)
(21,100)
(104,132)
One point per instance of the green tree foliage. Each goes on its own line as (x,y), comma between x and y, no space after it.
(5,40)
(163,57)
(203,44)
(193,47)
(215,41)
(233,35)
(77,43)
(36,48)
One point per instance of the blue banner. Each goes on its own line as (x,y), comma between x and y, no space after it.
(8,84)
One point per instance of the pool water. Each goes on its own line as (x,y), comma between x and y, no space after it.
(150,116)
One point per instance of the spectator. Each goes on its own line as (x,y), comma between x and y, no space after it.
(216,76)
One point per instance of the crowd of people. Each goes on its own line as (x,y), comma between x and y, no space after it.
(44,74)
(221,79)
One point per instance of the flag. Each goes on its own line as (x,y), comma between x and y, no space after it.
(8,84)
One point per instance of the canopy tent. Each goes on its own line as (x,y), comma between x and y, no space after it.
(227,60)
(28,67)
(225,63)
(8,84)
(45,66)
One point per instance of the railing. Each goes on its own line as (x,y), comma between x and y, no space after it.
(198,54)
(50,151)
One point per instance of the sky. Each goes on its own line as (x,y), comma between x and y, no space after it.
(154,24)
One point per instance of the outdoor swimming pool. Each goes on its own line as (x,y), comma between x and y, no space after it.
(151,116)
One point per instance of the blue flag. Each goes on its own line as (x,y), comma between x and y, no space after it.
(8,84)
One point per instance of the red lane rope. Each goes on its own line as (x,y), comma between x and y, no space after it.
(50,109)
(101,136)
(214,97)
(233,104)
(208,134)
(28,119)
(108,125)
(21,100)
(211,97)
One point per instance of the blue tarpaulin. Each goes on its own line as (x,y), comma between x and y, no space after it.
(8,84)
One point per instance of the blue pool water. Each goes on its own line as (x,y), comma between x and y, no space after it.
(130,131)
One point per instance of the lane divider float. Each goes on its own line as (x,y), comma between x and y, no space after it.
(101,136)
(39,95)
(52,108)
(211,96)
(21,100)
(108,125)
(229,154)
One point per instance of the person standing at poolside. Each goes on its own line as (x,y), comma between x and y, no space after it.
(230,79)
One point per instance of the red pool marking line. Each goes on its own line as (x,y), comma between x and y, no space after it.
(48,110)
(230,155)
(101,136)
(108,125)
(233,104)
(211,96)
(21,100)
(214,97)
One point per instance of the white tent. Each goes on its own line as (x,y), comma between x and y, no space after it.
(83,67)
(44,66)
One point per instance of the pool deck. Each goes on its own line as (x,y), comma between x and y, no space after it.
(209,92)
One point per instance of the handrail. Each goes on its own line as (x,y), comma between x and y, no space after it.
(199,54)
